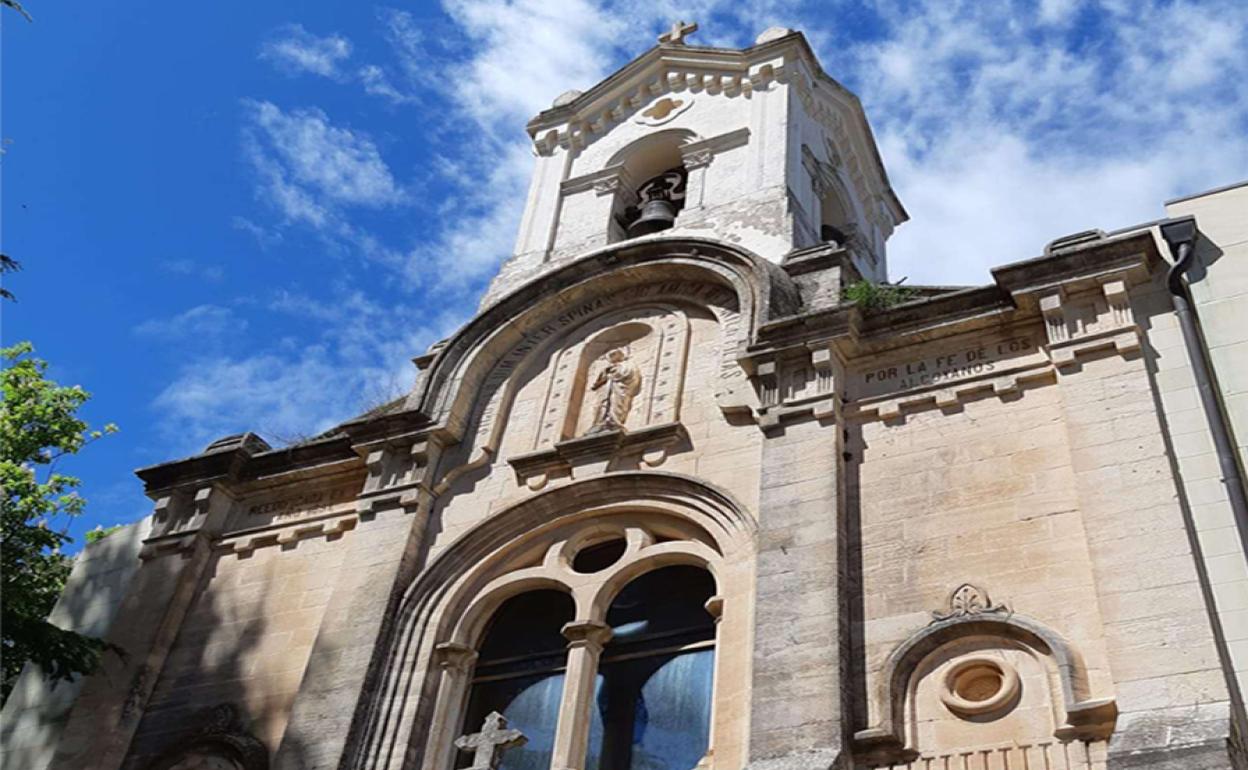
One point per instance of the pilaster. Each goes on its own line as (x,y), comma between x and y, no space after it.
(382,549)
(797,713)
(1174,707)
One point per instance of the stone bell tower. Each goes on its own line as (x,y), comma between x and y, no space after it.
(758,147)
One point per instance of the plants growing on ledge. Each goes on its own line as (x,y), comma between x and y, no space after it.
(873,297)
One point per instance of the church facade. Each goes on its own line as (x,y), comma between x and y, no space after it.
(672,500)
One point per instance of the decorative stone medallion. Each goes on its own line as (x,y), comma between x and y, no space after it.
(664,110)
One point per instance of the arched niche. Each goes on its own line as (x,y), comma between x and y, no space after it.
(835,223)
(948,656)
(444,612)
(655,339)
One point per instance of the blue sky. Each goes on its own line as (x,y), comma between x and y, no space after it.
(239,216)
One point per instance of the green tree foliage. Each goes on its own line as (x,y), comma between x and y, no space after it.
(8,265)
(38,426)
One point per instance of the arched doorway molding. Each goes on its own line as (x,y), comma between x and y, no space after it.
(415,699)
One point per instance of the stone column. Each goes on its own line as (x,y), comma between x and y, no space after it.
(714,608)
(797,718)
(586,639)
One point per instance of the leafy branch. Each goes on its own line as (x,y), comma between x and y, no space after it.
(39,425)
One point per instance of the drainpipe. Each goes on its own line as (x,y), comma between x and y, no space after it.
(1180,235)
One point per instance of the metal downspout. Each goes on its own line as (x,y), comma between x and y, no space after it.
(1180,235)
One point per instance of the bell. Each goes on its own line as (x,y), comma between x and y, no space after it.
(656,214)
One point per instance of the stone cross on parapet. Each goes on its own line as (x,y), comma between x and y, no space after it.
(679,31)
(488,745)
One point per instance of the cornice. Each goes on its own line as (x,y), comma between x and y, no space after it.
(1017,287)
(1111,262)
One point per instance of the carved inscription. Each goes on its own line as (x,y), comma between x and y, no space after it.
(936,370)
(302,504)
(690,290)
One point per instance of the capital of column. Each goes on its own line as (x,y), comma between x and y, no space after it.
(455,657)
(715,607)
(587,633)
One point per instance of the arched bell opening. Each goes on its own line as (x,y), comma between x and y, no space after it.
(653,193)
(835,224)
(519,672)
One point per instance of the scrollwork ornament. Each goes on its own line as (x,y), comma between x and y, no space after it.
(967,600)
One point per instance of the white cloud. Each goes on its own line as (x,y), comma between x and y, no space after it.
(377,83)
(1001,134)
(338,164)
(265,238)
(311,171)
(199,323)
(194,269)
(358,357)
(295,51)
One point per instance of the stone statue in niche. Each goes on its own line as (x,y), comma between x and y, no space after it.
(619,381)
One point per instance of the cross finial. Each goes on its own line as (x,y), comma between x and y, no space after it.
(488,745)
(679,31)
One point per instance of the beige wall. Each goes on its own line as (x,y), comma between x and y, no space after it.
(1219,287)
(1055,494)
(37,710)
(245,640)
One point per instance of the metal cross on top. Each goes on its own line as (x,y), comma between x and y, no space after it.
(679,31)
(488,745)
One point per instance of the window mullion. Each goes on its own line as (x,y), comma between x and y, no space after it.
(585,642)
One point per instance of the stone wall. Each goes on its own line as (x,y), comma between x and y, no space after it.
(1219,288)
(245,641)
(37,709)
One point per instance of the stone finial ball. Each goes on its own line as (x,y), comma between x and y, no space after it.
(565,98)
